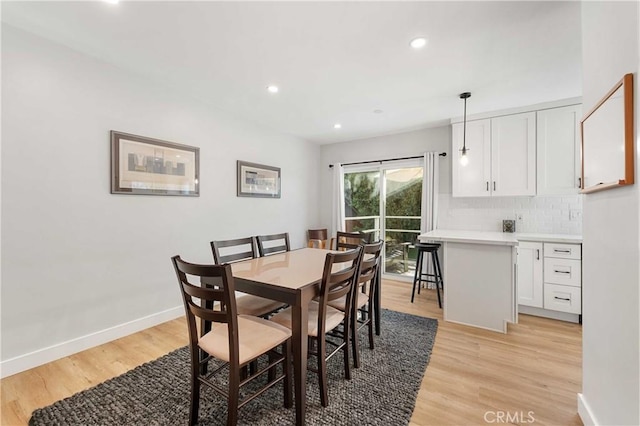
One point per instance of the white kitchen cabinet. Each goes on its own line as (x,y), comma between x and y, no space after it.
(473,179)
(549,277)
(501,157)
(530,284)
(558,150)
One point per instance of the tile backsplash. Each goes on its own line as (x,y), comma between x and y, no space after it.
(541,214)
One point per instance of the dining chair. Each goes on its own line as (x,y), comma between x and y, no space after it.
(351,240)
(318,238)
(235,340)
(324,319)
(364,293)
(227,251)
(281,244)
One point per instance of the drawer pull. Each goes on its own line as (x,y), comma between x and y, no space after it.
(561,251)
(561,272)
(562,298)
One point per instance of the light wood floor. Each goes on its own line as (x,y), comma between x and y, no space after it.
(473,374)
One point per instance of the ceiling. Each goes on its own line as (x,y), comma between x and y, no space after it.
(334,62)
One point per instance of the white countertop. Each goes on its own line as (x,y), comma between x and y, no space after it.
(488,237)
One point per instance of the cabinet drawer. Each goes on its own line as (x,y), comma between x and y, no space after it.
(563,298)
(563,271)
(566,251)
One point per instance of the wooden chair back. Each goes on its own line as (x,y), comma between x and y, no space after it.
(232,247)
(336,284)
(351,240)
(263,250)
(208,303)
(370,262)
(317,238)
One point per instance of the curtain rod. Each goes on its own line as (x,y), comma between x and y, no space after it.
(442,154)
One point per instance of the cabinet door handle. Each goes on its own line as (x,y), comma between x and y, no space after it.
(487,185)
(494,185)
(579,182)
(561,251)
(561,298)
(537,254)
(561,272)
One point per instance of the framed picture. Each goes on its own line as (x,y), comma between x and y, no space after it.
(145,166)
(257,180)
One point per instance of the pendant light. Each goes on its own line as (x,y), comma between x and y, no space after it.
(464,160)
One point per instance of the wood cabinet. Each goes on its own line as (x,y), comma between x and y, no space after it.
(530,284)
(501,157)
(558,150)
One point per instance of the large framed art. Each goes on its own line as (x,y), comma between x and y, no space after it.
(146,166)
(258,180)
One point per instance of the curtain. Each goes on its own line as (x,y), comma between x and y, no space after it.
(337,211)
(429,210)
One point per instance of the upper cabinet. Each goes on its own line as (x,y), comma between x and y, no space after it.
(559,150)
(473,179)
(502,152)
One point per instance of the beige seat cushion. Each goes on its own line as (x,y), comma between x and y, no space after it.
(333,319)
(256,306)
(255,337)
(340,303)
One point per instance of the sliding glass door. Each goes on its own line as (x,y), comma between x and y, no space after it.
(403,199)
(385,201)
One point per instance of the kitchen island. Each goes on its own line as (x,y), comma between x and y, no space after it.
(479,271)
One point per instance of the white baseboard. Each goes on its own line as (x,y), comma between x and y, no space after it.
(42,356)
(585,413)
(557,315)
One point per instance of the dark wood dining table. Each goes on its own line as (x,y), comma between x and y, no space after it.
(293,278)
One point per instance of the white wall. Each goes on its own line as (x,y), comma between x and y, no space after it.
(611,254)
(78,260)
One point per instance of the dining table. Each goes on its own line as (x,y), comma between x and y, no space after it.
(293,278)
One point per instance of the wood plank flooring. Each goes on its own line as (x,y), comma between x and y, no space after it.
(529,376)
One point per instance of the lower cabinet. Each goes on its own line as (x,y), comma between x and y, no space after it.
(530,284)
(550,278)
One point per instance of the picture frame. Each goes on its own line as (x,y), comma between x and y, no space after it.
(257,180)
(146,166)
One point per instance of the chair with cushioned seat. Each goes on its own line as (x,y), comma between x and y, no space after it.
(324,319)
(363,297)
(227,251)
(236,340)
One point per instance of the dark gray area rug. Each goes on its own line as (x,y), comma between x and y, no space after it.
(381,392)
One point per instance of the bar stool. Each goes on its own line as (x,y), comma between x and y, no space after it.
(420,277)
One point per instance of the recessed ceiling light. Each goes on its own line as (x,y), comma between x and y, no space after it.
(337,126)
(272,89)
(113,1)
(377,111)
(418,43)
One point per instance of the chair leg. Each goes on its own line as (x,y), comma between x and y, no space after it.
(234,395)
(370,317)
(345,348)
(271,374)
(194,405)
(416,275)
(322,371)
(286,369)
(355,344)
(435,273)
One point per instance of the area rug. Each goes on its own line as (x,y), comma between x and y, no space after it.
(381,392)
